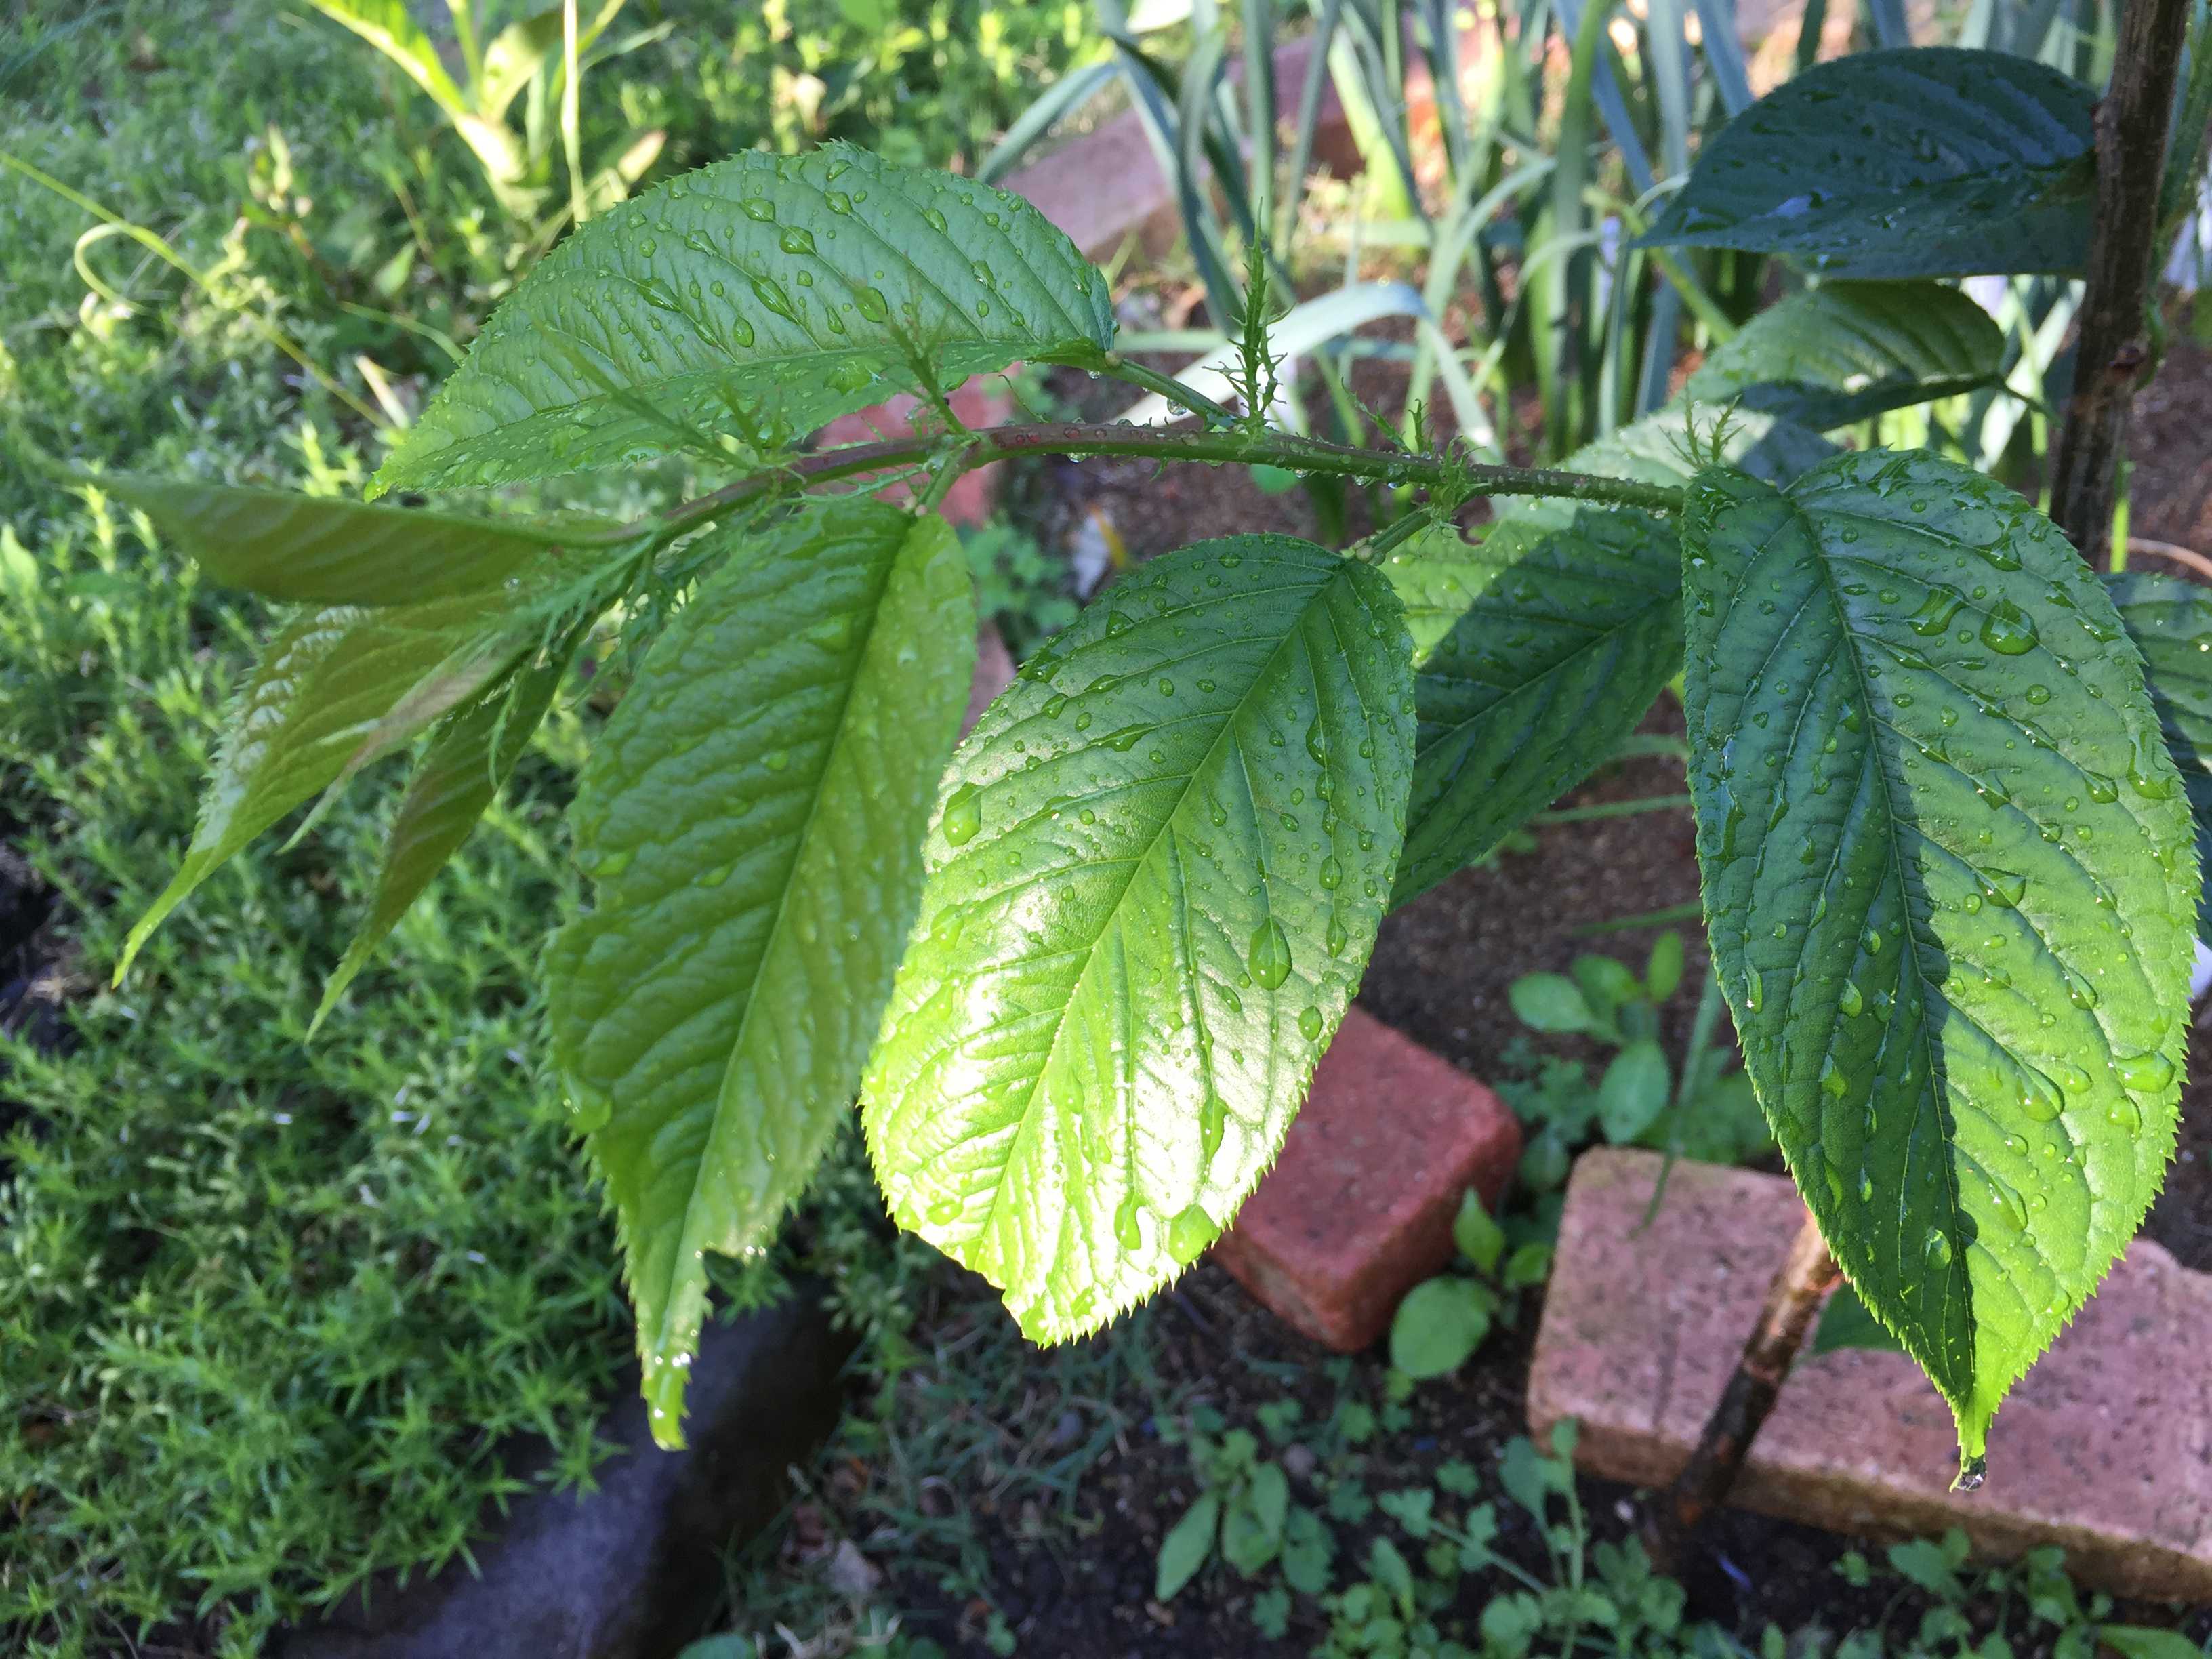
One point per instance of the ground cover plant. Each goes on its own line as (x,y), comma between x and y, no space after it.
(1079,969)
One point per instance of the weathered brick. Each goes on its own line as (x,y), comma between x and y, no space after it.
(1359,1207)
(2104,1448)
(995,673)
(982,401)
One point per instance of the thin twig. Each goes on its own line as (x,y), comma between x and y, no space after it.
(2179,555)
(1808,1274)
(2113,353)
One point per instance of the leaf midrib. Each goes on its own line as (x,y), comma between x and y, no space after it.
(688,1237)
(1138,861)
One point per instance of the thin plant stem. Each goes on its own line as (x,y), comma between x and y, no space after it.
(1181,443)
(1614,809)
(1808,1273)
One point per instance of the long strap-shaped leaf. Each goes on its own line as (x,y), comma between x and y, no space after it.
(2171,623)
(760,297)
(752,819)
(1949,879)
(461,769)
(315,551)
(335,688)
(1155,879)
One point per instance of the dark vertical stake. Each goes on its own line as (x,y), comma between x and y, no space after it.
(2114,349)
(1792,1301)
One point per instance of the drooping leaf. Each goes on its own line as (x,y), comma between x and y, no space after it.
(318,705)
(1155,879)
(463,768)
(752,819)
(1540,645)
(759,298)
(1478,1238)
(2171,623)
(312,551)
(1921,161)
(1948,877)
(1830,356)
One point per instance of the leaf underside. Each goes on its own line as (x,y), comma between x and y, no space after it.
(752,818)
(1155,878)
(1947,870)
(315,551)
(1921,161)
(320,705)
(758,298)
(461,772)
(1843,351)
(1540,647)
(2171,623)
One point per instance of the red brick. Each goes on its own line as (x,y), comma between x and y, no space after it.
(1359,1208)
(2104,1448)
(982,401)
(995,673)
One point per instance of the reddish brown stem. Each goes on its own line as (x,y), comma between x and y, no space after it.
(2112,355)
(1792,1301)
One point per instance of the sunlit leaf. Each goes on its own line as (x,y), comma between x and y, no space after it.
(2171,623)
(1155,876)
(758,298)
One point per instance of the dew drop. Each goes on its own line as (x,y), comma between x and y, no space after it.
(1269,957)
(1189,1235)
(964,815)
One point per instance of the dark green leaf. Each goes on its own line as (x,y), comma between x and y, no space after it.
(454,781)
(319,704)
(1830,356)
(1922,161)
(1185,1549)
(1847,1323)
(1633,1091)
(760,297)
(2171,623)
(1156,877)
(752,819)
(1948,877)
(1441,1322)
(1540,646)
(337,552)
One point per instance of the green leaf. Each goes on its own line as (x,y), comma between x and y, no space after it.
(1948,876)
(319,704)
(1480,1239)
(336,552)
(762,296)
(1441,1322)
(1252,1524)
(1550,1002)
(465,767)
(1185,1549)
(2149,1642)
(1922,161)
(2171,623)
(1847,1323)
(1540,646)
(1155,879)
(1662,971)
(1633,1091)
(387,26)
(752,819)
(1843,351)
